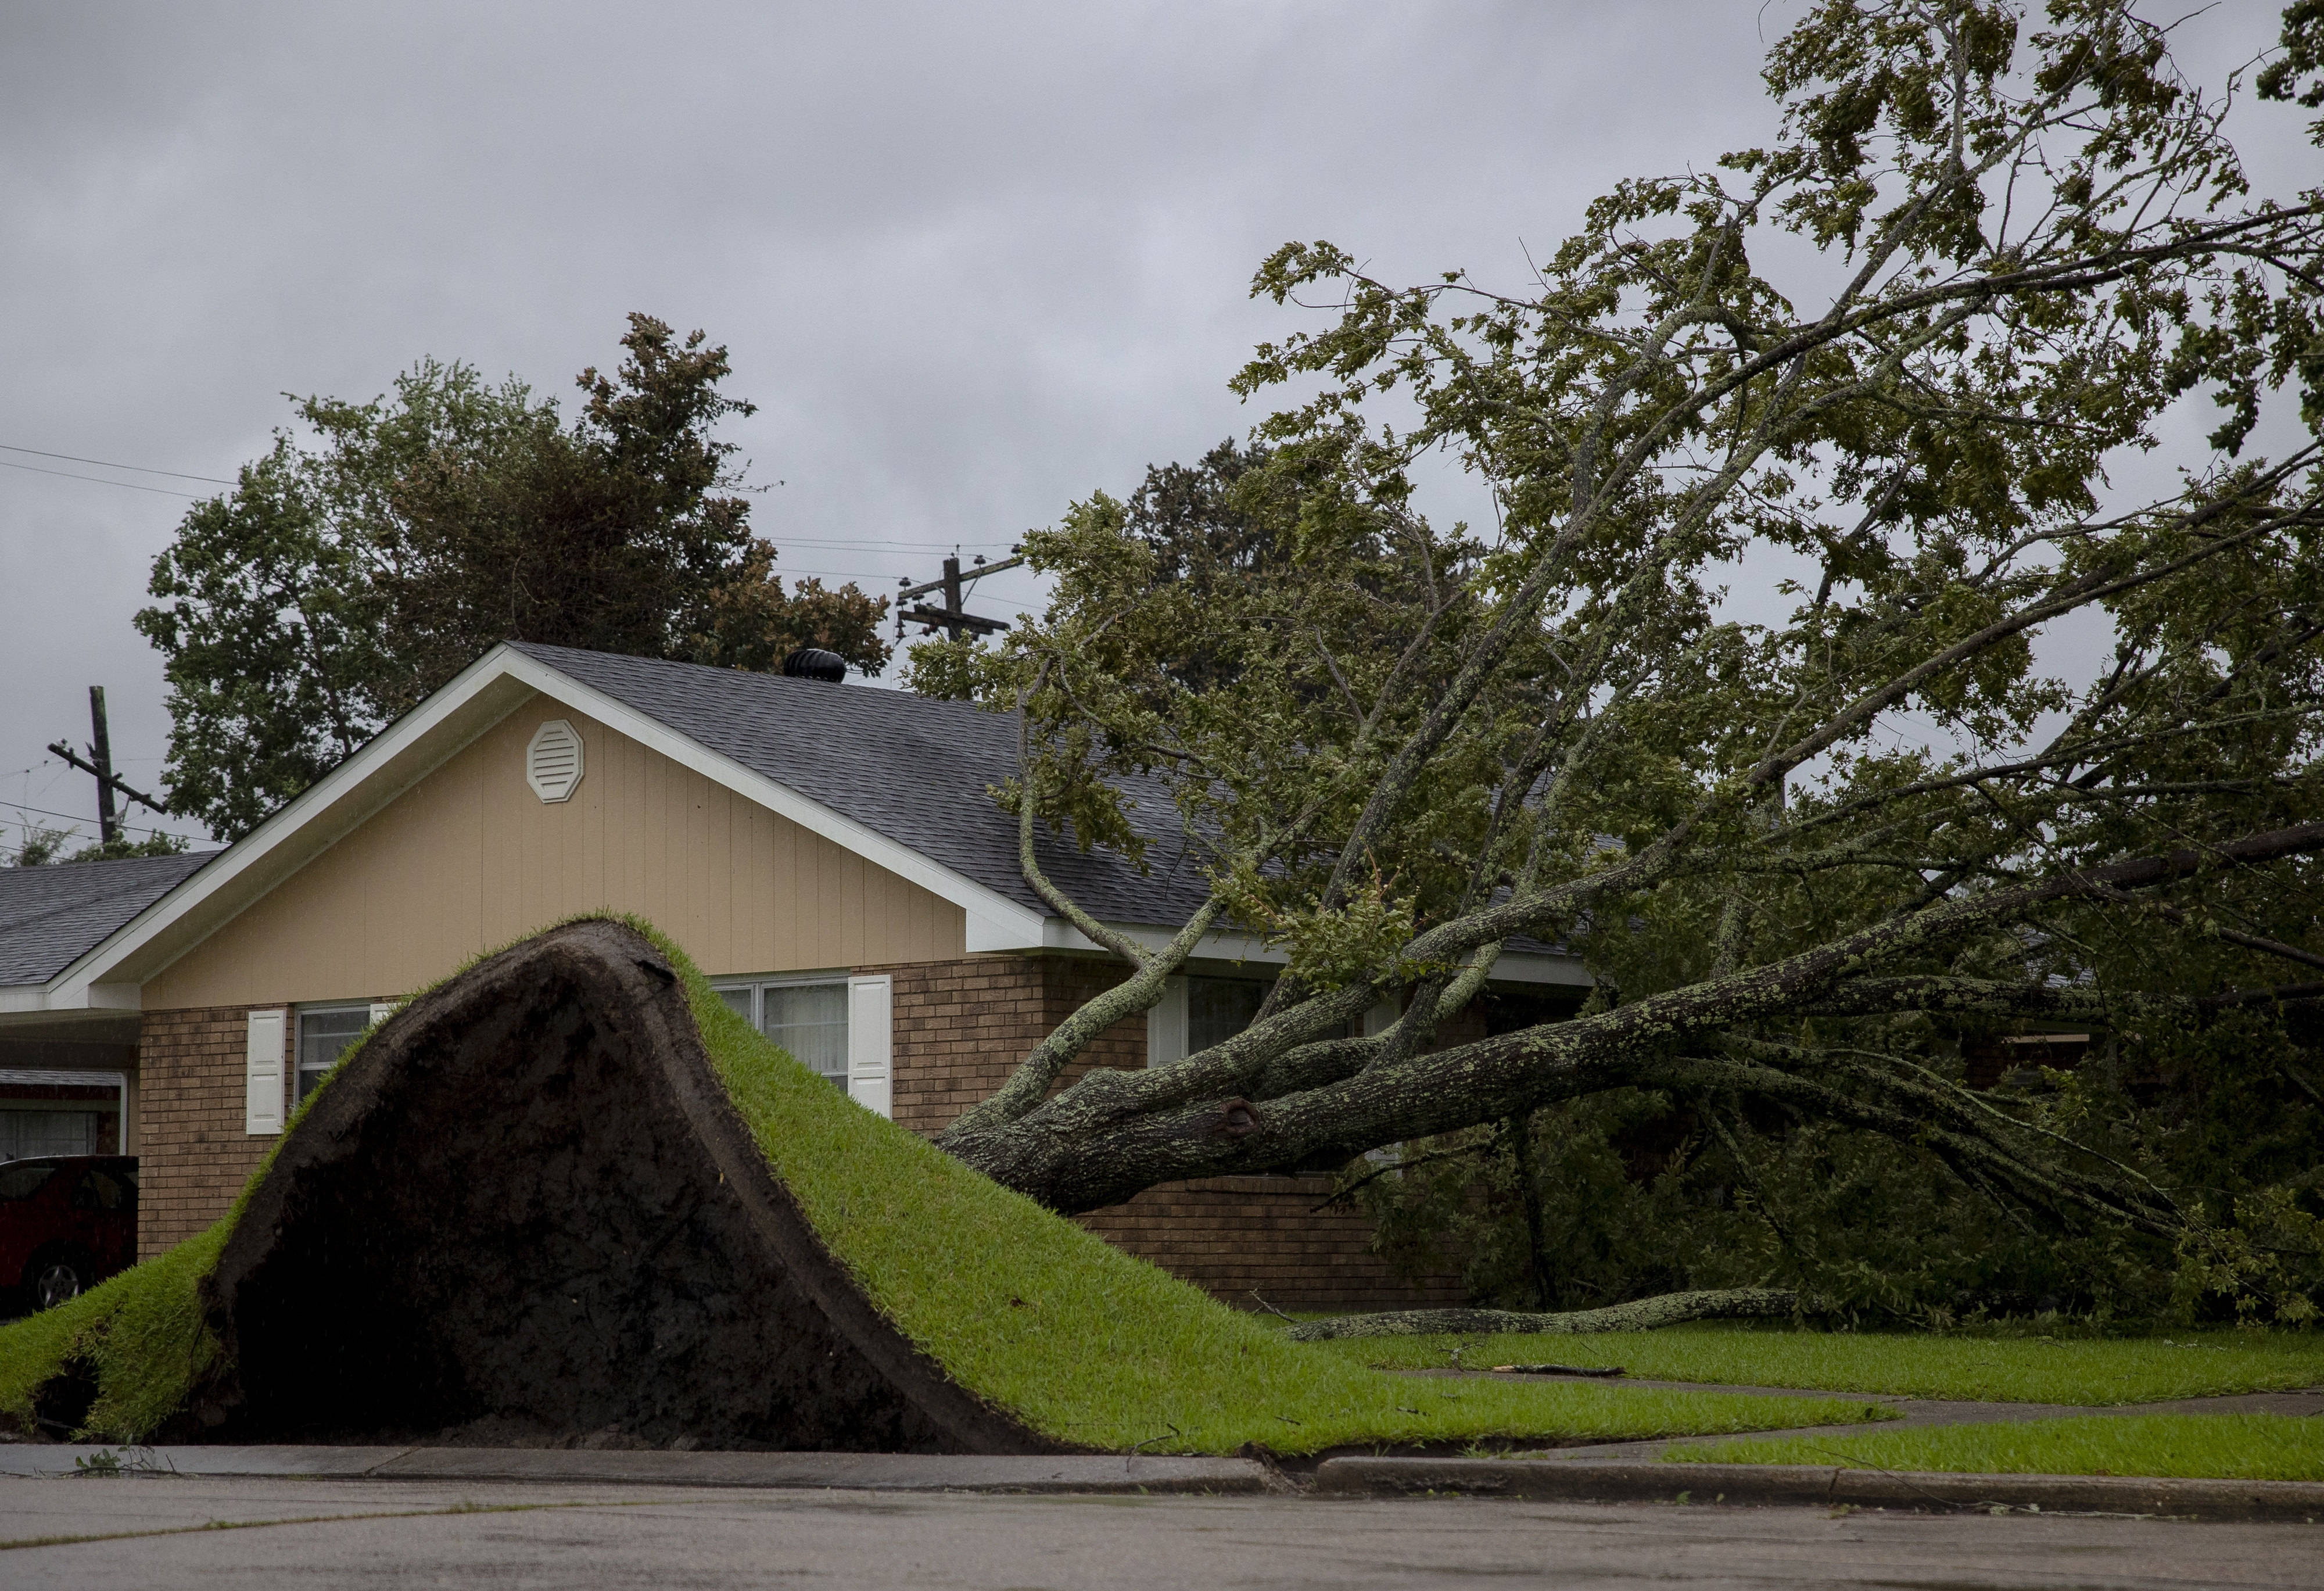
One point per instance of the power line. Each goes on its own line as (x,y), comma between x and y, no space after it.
(108,463)
(70,818)
(75,832)
(100,480)
(854,575)
(872,541)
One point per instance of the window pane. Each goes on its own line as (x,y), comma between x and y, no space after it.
(1217,1009)
(323,1037)
(738,1001)
(810,1020)
(27,1132)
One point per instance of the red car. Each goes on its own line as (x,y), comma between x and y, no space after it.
(67,1222)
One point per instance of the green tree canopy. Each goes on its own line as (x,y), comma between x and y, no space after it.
(354,570)
(1793,463)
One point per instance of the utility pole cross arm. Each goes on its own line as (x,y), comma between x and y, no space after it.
(60,749)
(952,617)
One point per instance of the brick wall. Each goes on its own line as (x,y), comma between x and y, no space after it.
(193,1155)
(1233,1236)
(960,1026)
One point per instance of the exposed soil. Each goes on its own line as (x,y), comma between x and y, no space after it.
(527,1214)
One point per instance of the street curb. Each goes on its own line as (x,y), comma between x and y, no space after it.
(1093,1474)
(1572,1480)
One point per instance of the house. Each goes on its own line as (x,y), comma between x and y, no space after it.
(830,855)
(68,1084)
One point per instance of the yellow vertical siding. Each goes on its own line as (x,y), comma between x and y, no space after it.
(469,858)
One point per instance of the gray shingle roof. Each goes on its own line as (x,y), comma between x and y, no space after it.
(51,916)
(911,769)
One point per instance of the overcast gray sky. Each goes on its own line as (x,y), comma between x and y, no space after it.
(971,261)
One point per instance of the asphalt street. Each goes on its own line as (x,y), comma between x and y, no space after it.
(577,1538)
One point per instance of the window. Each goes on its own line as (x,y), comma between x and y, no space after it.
(810,1020)
(24,1133)
(323,1037)
(835,1027)
(1217,1009)
(1197,1013)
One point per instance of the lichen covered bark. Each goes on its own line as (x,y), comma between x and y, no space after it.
(1723,1303)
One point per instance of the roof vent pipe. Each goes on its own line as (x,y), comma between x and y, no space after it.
(812,662)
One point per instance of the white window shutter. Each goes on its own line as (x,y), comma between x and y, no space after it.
(552,762)
(1166,1024)
(870,1044)
(262,1074)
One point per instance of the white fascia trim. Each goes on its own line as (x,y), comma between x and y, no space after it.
(100,997)
(1514,966)
(1004,915)
(80,986)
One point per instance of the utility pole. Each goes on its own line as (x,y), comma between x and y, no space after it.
(951,618)
(101,763)
(100,747)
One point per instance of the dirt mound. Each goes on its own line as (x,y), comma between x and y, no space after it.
(526,1211)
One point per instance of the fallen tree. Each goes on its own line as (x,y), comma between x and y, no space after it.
(1753,690)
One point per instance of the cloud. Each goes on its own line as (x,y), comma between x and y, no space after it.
(972,262)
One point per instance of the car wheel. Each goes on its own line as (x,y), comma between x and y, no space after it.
(58,1279)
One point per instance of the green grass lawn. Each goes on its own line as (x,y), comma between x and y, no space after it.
(2228,1446)
(1096,1347)
(2098,1371)
(1077,1338)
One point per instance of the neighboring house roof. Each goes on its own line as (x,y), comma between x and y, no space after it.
(919,771)
(48,916)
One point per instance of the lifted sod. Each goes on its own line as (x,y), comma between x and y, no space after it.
(567,1196)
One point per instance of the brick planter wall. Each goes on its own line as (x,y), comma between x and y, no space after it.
(193,1156)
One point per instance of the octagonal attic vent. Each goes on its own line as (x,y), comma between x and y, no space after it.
(552,763)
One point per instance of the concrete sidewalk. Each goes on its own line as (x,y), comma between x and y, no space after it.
(1097,1474)
(1550,1477)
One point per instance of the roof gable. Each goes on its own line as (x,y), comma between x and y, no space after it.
(903,781)
(917,770)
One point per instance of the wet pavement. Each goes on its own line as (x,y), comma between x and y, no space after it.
(265,1533)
